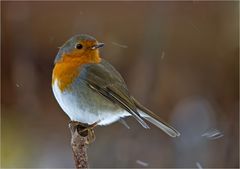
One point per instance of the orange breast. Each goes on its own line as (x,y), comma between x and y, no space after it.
(68,69)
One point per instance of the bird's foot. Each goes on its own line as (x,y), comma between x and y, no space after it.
(85,130)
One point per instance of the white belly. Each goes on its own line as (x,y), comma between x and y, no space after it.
(87,106)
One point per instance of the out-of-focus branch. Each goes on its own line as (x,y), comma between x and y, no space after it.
(79,143)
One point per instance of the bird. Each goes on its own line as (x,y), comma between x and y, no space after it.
(91,91)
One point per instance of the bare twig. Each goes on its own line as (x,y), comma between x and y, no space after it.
(79,143)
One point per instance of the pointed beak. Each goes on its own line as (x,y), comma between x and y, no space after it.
(98,45)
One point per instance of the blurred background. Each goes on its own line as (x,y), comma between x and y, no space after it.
(180,59)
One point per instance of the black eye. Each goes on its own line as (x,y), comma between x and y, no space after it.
(79,46)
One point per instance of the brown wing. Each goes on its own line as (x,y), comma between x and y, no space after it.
(105,80)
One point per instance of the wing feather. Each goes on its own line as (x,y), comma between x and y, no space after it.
(105,80)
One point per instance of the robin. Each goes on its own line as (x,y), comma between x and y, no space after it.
(91,91)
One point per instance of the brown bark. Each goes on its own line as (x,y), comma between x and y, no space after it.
(79,143)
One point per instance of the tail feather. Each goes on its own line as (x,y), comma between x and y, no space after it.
(156,120)
(160,124)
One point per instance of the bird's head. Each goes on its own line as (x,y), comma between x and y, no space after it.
(80,47)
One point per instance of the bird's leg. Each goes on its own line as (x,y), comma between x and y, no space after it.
(89,127)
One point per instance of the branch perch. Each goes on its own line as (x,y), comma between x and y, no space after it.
(79,143)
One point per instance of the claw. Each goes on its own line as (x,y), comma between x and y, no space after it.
(91,136)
